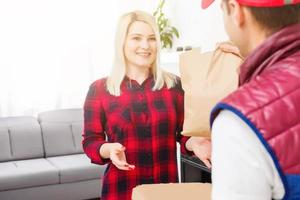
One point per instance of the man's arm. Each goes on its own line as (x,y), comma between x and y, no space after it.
(242,168)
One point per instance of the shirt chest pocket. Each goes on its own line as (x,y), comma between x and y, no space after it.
(118,122)
(119,113)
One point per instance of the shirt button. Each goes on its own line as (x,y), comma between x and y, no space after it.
(144,117)
(151,179)
(144,106)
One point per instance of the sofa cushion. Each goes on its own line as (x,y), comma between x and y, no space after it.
(77,167)
(62,131)
(20,138)
(77,130)
(27,173)
(62,115)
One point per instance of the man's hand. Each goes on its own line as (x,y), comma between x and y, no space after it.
(201,147)
(229,48)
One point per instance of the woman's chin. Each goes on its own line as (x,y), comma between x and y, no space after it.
(144,65)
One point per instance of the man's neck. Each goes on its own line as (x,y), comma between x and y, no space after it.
(258,36)
(255,36)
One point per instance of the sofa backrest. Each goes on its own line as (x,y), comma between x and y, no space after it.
(62,131)
(20,138)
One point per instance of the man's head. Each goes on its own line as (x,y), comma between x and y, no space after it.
(250,22)
(257,3)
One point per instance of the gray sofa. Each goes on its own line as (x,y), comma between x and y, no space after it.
(42,158)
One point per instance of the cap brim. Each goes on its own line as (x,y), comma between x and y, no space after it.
(206,3)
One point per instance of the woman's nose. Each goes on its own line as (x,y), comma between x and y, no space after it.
(145,44)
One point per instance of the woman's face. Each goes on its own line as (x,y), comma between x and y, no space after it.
(140,46)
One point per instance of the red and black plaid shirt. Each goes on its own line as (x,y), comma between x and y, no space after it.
(146,122)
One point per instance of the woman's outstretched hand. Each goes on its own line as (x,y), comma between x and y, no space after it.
(118,157)
(201,147)
(116,153)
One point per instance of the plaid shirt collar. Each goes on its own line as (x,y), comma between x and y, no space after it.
(133,85)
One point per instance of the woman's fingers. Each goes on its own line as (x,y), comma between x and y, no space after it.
(202,149)
(123,166)
(204,157)
(118,157)
(207,163)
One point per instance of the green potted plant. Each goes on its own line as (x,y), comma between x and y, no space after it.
(167,32)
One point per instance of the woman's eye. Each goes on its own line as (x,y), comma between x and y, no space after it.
(152,39)
(136,38)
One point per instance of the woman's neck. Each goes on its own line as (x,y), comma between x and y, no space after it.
(137,74)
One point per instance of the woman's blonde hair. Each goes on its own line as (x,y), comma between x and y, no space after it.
(118,72)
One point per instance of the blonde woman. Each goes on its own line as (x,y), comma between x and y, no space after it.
(139,109)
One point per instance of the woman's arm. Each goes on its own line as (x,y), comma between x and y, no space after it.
(94,144)
(200,146)
(94,120)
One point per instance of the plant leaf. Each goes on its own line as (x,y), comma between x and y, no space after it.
(168,42)
(162,3)
(168,34)
(160,17)
(175,31)
(166,31)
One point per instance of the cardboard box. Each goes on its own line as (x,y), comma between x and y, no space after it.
(172,191)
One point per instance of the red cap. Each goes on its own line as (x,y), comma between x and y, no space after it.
(256,3)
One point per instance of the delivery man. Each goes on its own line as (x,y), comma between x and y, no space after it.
(256,129)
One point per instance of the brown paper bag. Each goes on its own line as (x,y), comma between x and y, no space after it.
(174,191)
(206,79)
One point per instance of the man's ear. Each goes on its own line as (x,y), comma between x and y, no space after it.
(237,12)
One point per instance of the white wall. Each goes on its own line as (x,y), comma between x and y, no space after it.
(198,27)
(131,5)
(51,50)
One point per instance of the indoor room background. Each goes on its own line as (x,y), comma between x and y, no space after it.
(52,50)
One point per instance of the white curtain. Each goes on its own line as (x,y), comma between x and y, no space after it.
(51,50)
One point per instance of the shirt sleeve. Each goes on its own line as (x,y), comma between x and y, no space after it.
(241,166)
(94,120)
(180,117)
